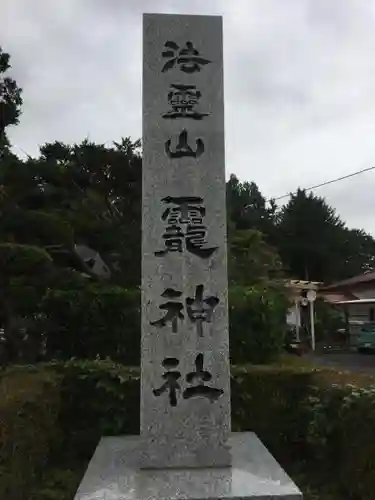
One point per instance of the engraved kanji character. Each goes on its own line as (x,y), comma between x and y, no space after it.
(170,383)
(183,148)
(183,99)
(173,239)
(173,310)
(188,212)
(187,58)
(199,309)
(201,376)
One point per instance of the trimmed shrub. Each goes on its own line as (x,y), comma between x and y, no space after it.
(341,434)
(328,322)
(269,401)
(105,320)
(93,320)
(56,413)
(257,324)
(99,398)
(29,409)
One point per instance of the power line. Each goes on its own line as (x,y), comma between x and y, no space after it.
(329,182)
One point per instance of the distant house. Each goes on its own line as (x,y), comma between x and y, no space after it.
(356,298)
(358,287)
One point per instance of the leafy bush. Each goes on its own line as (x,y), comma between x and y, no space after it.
(251,260)
(99,398)
(95,319)
(29,409)
(257,324)
(24,274)
(328,321)
(269,401)
(341,434)
(58,411)
(86,321)
(357,464)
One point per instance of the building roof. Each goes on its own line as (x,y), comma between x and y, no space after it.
(357,301)
(356,280)
(302,284)
(336,296)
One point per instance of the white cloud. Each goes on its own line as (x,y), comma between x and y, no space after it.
(299,85)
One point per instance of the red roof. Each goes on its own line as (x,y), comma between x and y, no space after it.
(356,280)
(333,297)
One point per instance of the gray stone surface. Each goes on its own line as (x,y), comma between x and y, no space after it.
(194,432)
(114,474)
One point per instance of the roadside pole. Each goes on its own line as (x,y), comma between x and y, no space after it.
(311,296)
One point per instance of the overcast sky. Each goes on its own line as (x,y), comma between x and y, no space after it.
(299,85)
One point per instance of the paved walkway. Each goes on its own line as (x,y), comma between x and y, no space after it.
(352,361)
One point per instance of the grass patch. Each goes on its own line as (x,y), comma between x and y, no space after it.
(327,375)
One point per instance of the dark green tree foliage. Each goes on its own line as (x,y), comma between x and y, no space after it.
(83,194)
(246,208)
(315,244)
(357,253)
(250,259)
(309,233)
(257,324)
(97,189)
(24,269)
(95,320)
(310,237)
(10,100)
(25,272)
(90,195)
(257,302)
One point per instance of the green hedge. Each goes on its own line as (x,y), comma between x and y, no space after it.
(341,434)
(257,323)
(99,398)
(29,411)
(105,320)
(59,411)
(96,319)
(269,400)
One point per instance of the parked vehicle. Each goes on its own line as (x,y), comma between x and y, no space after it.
(366,339)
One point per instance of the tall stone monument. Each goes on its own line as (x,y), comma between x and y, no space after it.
(185,449)
(185,392)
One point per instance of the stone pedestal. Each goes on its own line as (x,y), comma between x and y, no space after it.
(114,474)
